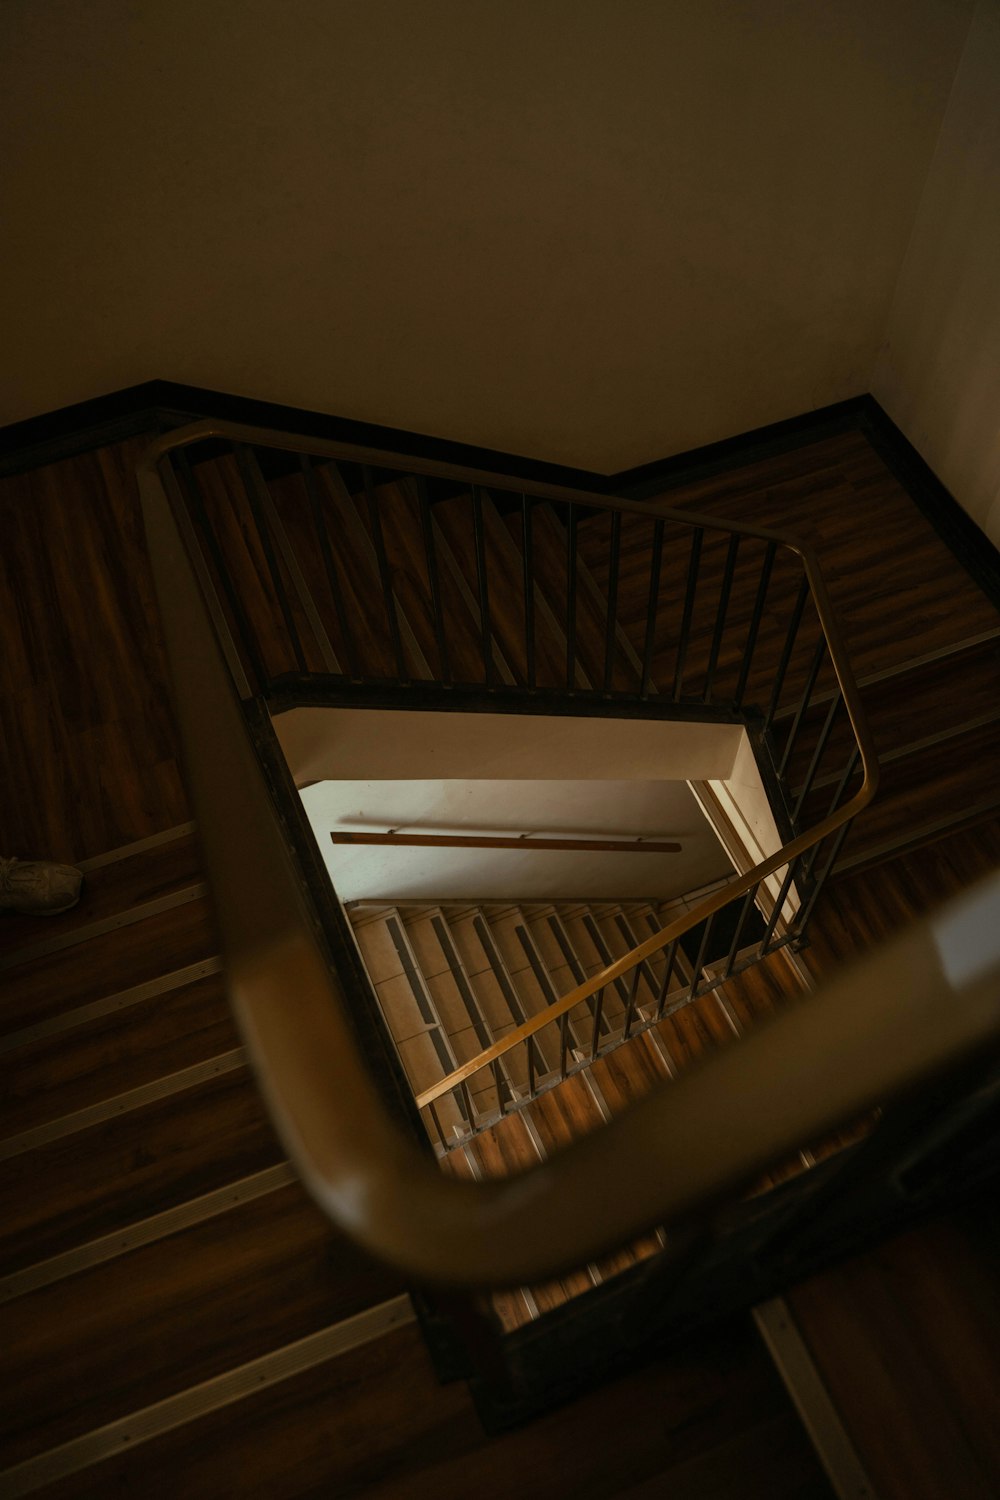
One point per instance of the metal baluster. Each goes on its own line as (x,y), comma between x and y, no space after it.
(852,762)
(485,623)
(755,619)
(467,1106)
(779,903)
(326,552)
(563,1020)
(571,520)
(720,617)
(821,880)
(786,652)
(807,691)
(612,619)
(598,1013)
(432,1111)
(531,1068)
(385,578)
(500,1084)
(246,465)
(528,564)
(702,950)
(188,485)
(651,608)
(816,758)
(671,955)
(697,536)
(433,578)
(748,902)
(630,1007)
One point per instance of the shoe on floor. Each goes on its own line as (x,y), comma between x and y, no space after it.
(37,888)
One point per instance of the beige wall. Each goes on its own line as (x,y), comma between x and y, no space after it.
(939,371)
(585,231)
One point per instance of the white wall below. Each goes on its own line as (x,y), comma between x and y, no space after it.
(582,809)
(341,744)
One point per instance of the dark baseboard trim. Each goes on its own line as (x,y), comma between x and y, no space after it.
(954,526)
(160,405)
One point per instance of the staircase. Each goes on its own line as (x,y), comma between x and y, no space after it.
(175,1310)
(452,979)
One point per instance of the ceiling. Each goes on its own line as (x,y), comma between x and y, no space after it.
(589,233)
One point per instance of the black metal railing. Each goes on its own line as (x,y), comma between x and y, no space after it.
(348,576)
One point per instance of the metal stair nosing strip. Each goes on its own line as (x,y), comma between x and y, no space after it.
(197,1401)
(145,1231)
(80,1015)
(120,1104)
(60,941)
(138,846)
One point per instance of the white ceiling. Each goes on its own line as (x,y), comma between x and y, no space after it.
(588,232)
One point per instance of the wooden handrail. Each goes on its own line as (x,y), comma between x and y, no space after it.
(524,844)
(919,1005)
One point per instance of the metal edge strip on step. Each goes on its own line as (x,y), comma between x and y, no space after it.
(941,653)
(120,1104)
(68,1020)
(914,836)
(63,940)
(804,1384)
(145,1231)
(198,1400)
(914,747)
(139,846)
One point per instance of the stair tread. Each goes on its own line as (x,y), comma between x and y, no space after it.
(111,1054)
(117,960)
(109,890)
(90,1183)
(78,1356)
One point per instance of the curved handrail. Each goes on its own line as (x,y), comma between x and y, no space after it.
(840,1052)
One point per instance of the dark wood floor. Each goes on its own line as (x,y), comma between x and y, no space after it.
(88,762)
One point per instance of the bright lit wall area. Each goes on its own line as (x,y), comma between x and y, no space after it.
(624,809)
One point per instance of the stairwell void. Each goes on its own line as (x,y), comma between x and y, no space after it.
(383,621)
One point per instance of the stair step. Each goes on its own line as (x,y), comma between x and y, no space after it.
(59,982)
(99,1179)
(111,1054)
(107,891)
(77,1356)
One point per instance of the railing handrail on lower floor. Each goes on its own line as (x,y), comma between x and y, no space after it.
(916,1007)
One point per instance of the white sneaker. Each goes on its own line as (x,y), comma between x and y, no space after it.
(37,888)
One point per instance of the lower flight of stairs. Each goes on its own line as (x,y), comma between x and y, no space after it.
(452,979)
